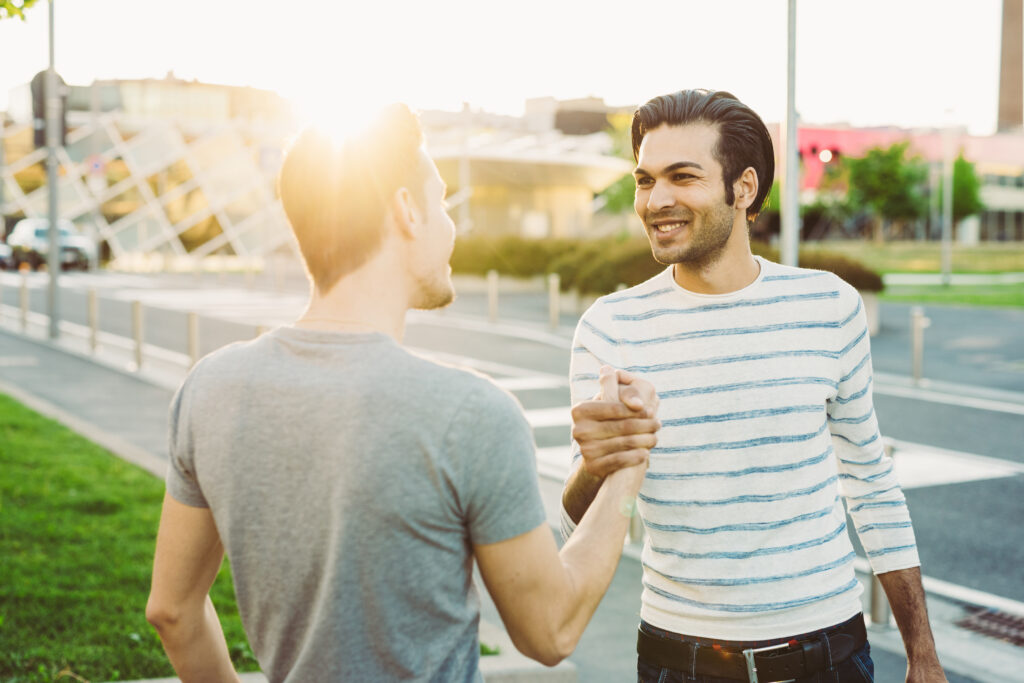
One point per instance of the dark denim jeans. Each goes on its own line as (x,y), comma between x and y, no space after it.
(857,668)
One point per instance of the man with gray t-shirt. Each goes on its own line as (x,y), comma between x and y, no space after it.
(352,483)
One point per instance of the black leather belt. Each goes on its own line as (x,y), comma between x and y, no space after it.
(782,662)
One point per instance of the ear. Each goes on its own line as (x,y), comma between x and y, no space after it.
(745,188)
(405,213)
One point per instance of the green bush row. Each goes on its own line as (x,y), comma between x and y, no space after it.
(599,266)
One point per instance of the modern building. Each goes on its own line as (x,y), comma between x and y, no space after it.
(168,171)
(523,176)
(998,160)
(157,168)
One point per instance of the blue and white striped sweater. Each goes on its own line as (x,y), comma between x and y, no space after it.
(767,422)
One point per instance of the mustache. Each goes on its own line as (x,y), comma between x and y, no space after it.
(673,216)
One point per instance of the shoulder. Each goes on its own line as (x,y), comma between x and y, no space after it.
(233,360)
(476,392)
(809,284)
(605,310)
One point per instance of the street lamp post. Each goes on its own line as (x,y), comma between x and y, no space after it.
(789,213)
(52,135)
(947,206)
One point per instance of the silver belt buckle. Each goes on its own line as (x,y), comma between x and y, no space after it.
(752,667)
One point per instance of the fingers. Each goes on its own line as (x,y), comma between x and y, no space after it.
(596,449)
(601,410)
(586,431)
(637,393)
(609,381)
(632,398)
(605,465)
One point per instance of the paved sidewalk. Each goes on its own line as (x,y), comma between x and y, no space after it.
(127,414)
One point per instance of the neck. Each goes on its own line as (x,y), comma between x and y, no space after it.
(368,300)
(734,269)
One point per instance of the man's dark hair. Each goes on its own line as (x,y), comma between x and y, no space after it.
(336,192)
(743,139)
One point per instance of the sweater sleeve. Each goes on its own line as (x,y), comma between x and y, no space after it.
(867,481)
(593,346)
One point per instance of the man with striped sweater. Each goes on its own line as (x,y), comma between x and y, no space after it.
(764,376)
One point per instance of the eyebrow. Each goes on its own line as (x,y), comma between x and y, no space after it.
(671,167)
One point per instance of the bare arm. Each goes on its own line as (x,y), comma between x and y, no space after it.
(611,435)
(906,597)
(546,597)
(188,557)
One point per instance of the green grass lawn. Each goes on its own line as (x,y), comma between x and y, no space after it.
(961,295)
(77,531)
(926,257)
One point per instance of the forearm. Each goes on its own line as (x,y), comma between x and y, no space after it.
(906,596)
(591,556)
(580,490)
(195,644)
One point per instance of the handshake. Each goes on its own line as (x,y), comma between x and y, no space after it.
(616,431)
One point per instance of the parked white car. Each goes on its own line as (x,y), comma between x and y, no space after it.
(30,243)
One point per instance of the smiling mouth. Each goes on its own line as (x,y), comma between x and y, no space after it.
(669,227)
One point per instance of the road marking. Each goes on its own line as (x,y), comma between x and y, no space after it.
(490,367)
(530,383)
(554,462)
(921,394)
(916,465)
(549,417)
(18,361)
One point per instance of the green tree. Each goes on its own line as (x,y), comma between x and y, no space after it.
(966,190)
(14,8)
(618,197)
(888,184)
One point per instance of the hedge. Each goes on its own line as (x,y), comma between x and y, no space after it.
(599,266)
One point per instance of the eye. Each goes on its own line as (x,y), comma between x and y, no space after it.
(681,176)
(644,182)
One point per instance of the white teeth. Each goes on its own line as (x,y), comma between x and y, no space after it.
(668,227)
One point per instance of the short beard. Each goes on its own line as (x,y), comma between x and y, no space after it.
(707,246)
(433,294)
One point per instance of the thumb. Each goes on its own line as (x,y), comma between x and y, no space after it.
(609,383)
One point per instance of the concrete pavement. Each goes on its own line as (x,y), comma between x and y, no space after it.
(95,398)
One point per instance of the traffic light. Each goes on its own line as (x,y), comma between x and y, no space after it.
(38,87)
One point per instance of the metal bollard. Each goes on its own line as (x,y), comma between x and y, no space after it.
(492,296)
(93,313)
(193,338)
(918,323)
(23,299)
(137,332)
(880,611)
(554,300)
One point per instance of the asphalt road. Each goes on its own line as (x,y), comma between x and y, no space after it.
(968,531)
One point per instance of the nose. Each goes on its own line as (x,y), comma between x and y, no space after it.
(661,197)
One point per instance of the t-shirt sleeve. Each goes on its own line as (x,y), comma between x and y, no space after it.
(182,483)
(499,492)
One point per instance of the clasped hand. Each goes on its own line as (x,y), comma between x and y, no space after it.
(618,427)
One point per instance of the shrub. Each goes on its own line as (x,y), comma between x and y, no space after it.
(599,266)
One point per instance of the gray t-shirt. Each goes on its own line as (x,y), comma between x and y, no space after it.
(349,479)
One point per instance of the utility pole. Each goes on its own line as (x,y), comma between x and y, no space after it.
(52,136)
(947,205)
(790,210)
(3,215)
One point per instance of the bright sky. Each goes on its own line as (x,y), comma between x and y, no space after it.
(870,62)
